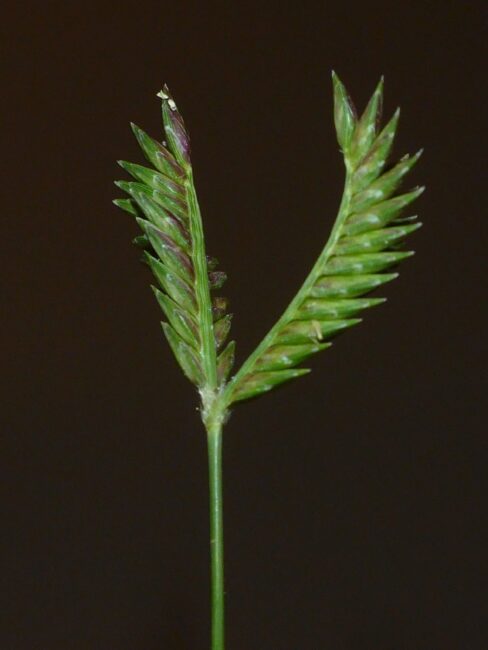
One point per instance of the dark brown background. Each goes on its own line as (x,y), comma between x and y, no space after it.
(354,501)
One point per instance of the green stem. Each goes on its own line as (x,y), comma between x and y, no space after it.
(202,289)
(214,440)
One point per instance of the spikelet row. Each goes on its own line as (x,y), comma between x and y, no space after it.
(163,201)
(363,247)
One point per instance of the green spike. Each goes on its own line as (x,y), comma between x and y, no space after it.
(165,222)
(149,146)
(381,214)
(156,154)
(180,320)
(168,252)
(225,361)
(174,128)
(175,206)
(375,240)
(185,355)
(344,113)
(364,263)
(127,205)
(172,284)
(349,286)
(153,179)
(371,166)
(261,382)
(324,309)
(304,331)
(222,329)
(125,186)
(278,357)
(365,131)
(385,185)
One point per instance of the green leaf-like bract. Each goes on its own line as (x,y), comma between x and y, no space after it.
(164,202)
(363,245)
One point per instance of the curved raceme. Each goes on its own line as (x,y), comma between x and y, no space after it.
(364,245)
(163,201)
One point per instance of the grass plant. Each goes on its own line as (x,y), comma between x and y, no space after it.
(365,244)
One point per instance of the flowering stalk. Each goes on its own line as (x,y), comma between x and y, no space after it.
(365,242)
